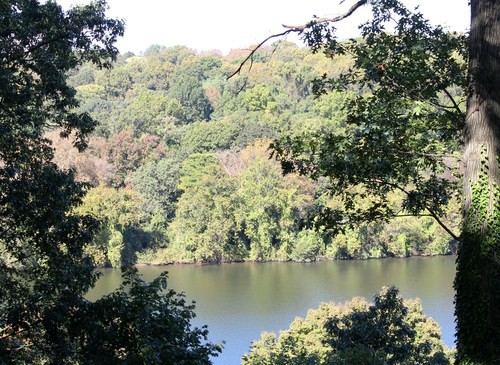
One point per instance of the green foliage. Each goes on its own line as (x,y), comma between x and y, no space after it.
(152,72)
(266,211)
(158,114)
(391,337)
(307,246)
(45,270)
(115,246)
(400,125)
(177,55)
(187,88)
(194,167)
(479,290)
(85,75)
(403,129)
(118,82)
(121,211)
(157,181)
(260,98)
(178,140)
(150,113)
(240,207)
(389,331)
(202,137)
(143,323)
(204,227)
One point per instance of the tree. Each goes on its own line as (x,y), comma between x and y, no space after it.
(404,130)
(127,153)
(157,181)
(187,88)
(88,167)
(204,228)
(478,265)
(267,205)
(44,271)
(120,211)
(151,112)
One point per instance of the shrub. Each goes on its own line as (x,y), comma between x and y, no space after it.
(389,331)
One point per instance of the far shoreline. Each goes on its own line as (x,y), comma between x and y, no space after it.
(322,259)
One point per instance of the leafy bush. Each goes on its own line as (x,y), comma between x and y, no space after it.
(143,323)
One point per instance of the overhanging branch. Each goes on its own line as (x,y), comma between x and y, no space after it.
(257,47)
(455,105)
(352,9)
(297,29)
(431,212)
(444,226)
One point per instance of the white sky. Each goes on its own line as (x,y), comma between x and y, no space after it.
(226,24)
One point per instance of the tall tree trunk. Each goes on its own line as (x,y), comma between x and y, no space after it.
(477,282)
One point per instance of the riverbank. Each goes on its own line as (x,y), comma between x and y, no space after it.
(318,259)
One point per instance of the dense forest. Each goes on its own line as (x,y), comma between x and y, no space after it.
(179,168)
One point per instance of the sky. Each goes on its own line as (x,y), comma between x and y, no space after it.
(205,25)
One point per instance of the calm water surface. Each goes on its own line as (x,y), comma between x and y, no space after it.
(239,301)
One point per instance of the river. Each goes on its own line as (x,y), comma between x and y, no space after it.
(239,301)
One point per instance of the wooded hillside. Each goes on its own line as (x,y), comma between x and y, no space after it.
(179,167)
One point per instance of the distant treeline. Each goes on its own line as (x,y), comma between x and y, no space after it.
(179,168)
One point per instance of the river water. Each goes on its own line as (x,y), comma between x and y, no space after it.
(239,301)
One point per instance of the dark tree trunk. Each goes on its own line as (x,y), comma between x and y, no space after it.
(477,282)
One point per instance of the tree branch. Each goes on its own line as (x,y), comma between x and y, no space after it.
(434,215)
(455,105)
(410,215)
(352,9)
(435,155)
(431,212)
(23,54)
(257,47)
(297,29)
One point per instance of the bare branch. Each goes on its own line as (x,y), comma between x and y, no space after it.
(410,215)
(436,155)
(297,29)
(448,230)
(431,212)
(352,9)
(455,105)
(257,47)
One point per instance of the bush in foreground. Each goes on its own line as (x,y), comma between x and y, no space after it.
(143,323)
(389,331)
